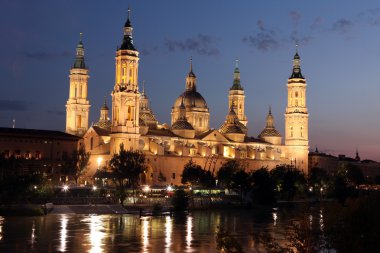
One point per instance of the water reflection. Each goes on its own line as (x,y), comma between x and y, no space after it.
(145,234)
(1,227)
(96,233)
(189,233)
(63,233)
(275,217)
(33,236)
(168,233)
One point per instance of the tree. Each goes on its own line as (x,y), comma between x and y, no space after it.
(77,165)
(196,176)
(289,181)
(262,187)
(226,171)
(127,167)
(240,183)
(319,180)
(226,243)
(354,175)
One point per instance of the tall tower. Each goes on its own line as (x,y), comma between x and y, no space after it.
(236,97)
(78,106)
(125,95)
(297,118)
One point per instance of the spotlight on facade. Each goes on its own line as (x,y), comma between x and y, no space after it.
(99,160)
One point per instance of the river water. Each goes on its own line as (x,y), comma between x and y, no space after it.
(194,232)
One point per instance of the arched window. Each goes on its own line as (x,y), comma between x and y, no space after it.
(301,129)
(291,131)
(296,94)
(92,143)
(200,122)
(129,111)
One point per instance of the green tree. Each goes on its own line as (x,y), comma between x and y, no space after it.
(226,171)
(241,183)
(263,191)
(194,175)
(319,180)
(127,167)
(289,181)
(77,165)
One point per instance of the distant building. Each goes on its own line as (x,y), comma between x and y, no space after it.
(331,163)
(189,136)
(37,150)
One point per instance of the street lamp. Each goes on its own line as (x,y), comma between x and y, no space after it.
(65,188)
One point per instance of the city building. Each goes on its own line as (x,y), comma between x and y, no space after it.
(168,148)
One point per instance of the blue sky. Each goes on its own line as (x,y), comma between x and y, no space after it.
(338,44)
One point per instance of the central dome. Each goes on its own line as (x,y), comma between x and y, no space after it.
(191,98)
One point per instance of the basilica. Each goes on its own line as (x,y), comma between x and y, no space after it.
(168,147)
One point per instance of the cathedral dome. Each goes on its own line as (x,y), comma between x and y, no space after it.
(191,98)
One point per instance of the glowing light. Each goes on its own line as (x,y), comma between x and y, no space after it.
(96,235)
(145,234)
(65,188)
(1,227)
(169,188)
(35,187)
(275,217)
(168,233)
(99,160)
(63,234)
(310,189)
(146,188)
(94,188)
(189,235)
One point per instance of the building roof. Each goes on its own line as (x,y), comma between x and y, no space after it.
(23,132)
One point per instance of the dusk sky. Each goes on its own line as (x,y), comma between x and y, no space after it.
(339,45)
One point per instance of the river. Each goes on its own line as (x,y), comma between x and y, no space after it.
(194,232)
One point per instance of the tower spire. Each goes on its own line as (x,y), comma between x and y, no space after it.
(236,83)
(79,59)
(191,78)
(296,73)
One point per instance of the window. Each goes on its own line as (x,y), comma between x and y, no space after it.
(79,121)
(200,122)
(91,143)
(301,131)
(173,175)
(37,155)
(291,131)
(296,94)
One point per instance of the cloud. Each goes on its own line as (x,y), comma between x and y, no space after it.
(148,51)
(317,23)
(264,39)
(342,25)
(371,16)
(296,17)
(201,44)
(57,113)
(13,105)
(44,56)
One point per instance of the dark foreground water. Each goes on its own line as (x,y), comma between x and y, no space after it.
(194,232)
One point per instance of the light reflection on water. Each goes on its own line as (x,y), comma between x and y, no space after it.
(129,233)
(189,231)
(63,233)
(168,233)
(145,234)
(1,227)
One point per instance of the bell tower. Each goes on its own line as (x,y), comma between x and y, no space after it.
(125,95)
(297,118)
(236,97)
(78,106)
